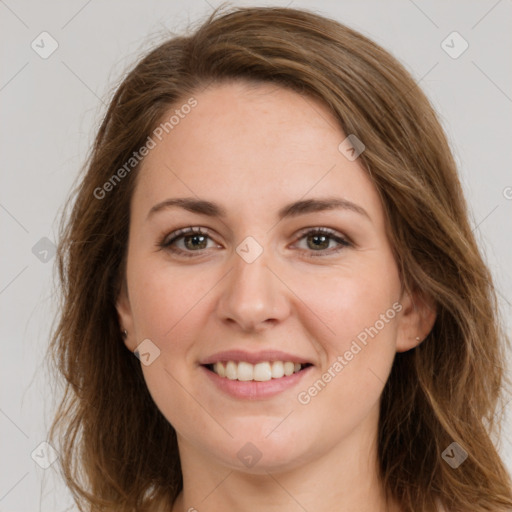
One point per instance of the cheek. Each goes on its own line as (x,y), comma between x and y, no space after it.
(357,311)
(168,307)
(347,301)
(164,298)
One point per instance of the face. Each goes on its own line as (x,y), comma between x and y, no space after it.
(270,281)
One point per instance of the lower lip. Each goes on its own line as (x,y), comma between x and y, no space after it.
(254,390)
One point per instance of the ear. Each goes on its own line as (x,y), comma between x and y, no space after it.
(125,316)
(416,320)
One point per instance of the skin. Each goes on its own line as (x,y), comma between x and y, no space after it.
(254,149)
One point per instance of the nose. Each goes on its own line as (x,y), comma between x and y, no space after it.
(253,297)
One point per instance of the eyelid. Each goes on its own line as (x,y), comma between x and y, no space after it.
(166,241)
(321,229)
(342,240)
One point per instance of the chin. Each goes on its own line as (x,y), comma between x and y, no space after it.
(256,452)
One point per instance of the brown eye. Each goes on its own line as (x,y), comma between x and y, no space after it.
(318,241)
(186,241)
(195,241)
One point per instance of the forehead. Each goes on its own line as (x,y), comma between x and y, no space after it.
(253,144)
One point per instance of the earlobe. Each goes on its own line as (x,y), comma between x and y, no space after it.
(416,322)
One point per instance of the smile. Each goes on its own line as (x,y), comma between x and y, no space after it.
(259,372)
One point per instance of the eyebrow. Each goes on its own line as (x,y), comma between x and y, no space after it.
(204,207)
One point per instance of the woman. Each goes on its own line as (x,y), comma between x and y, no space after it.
(272,223)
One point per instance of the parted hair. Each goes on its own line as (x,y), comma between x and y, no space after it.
(117,451)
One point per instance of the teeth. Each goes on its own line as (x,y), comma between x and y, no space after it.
(277,370)
(260,372)
(220,369)
(289,368)
(245,371)
(231,370)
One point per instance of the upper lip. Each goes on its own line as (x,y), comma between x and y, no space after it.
(253,357)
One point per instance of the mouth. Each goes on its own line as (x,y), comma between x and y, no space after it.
(260,372)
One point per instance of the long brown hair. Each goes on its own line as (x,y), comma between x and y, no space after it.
(117,451)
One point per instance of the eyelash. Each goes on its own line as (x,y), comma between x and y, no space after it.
(168,240)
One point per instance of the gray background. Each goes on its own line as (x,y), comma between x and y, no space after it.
(50,109)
